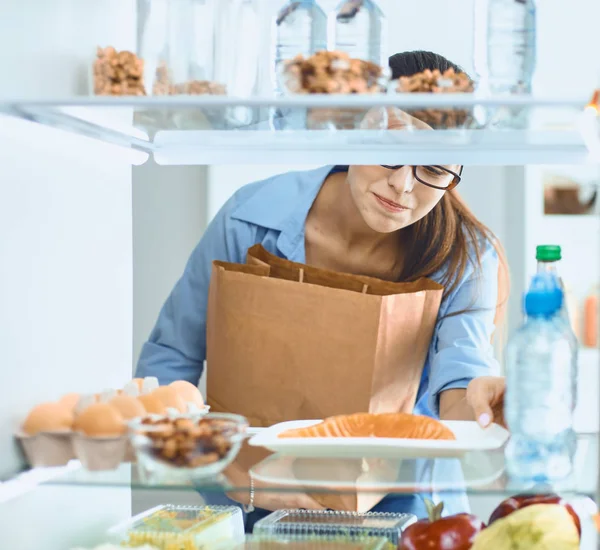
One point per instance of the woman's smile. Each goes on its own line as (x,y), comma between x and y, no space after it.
(390,205)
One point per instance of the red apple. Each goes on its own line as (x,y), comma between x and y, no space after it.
(521,501)
(455,532)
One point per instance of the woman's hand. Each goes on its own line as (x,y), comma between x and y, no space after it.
(265,499)
(485,395)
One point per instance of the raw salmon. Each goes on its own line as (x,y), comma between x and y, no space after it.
(396,425)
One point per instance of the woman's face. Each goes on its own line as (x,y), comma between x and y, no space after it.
(389,200)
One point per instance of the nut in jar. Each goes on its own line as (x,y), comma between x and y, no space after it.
(332,73)
(335,72)
(164,84)
(437,82)
(118,73)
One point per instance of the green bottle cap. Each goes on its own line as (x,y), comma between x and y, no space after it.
(548,253)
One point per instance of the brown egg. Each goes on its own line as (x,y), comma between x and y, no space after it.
(170,398)
(129,407)
(48,417)
(188,392)
(139,382)
(152,404)
(70,400)
(100,420)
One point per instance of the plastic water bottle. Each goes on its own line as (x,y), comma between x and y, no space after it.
(511,45)
(540,398)
(299,27)
(357,27)
(548,257)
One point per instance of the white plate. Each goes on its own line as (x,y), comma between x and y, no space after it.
(469,437)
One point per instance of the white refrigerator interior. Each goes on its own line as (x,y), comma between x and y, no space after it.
(91,247)
(66,255)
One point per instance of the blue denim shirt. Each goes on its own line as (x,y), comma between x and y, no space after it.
(273,213)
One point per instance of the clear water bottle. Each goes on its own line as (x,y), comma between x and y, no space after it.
(357,27)
(548,256)
(299,27)
(511,45)
(540,397)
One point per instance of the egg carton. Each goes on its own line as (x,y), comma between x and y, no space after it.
(57,448)
(47,449)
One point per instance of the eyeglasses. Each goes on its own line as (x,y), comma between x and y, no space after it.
(437,177)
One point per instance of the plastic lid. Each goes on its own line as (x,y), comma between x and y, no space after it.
(548,253)
(352,525)
(544,296)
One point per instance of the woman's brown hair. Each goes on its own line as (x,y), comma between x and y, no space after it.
(447,240)
(450,237)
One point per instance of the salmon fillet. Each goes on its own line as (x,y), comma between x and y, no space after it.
(396,425)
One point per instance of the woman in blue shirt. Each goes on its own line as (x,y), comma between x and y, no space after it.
(398,223)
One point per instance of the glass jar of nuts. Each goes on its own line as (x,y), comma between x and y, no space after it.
(175,53)
(187,48)
(176,42)
(437,82)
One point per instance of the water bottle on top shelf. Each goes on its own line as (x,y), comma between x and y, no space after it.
(540,396)
(357,27)
(511,45)
(299,27)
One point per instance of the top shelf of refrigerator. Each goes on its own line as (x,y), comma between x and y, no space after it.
(326,129)
(219,81)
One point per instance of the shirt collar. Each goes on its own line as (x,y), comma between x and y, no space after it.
(283,203)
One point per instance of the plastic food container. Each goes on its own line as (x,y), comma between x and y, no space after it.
(170,527)
(183,450)
(348,525)
(257,542)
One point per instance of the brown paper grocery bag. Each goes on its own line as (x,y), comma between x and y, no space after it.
(356,485)
(287,341)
